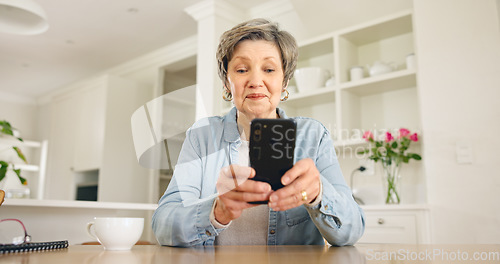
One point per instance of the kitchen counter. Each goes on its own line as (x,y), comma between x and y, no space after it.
(78,204)
(360,253)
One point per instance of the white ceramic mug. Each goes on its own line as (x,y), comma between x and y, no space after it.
(356,73)
(116,233)
(410,61)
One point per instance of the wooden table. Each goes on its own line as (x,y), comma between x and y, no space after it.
(362,253)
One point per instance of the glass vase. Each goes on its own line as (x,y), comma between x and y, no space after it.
(392,181)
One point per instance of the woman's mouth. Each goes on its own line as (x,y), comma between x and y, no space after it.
(256,96)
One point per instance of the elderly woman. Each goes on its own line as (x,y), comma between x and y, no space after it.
(256,61)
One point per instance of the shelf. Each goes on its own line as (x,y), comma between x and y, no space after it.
(165,177)
(184,96)
(395,207)
(79,204)
(349,142)
(382,83)
(378,30)
(312,97)
(14,142)
(316,47)
(27,167)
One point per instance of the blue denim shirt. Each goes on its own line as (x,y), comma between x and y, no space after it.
(182,217)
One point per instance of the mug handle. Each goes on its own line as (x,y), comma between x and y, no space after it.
(90,230)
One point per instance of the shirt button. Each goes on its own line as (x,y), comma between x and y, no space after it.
(208,233)
(326,207)
(272,231)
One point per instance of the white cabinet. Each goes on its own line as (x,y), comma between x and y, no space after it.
(90,133)
(91,141)
(63,127)
(401,224)
(76,136)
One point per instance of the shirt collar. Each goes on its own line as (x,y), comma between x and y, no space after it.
(231,133)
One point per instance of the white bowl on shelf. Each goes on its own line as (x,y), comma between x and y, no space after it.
(310,78)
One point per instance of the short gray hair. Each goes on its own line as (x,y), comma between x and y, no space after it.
(258,29)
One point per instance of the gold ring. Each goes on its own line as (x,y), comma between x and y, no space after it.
(304,195)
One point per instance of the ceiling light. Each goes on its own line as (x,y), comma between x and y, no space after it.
(23,17)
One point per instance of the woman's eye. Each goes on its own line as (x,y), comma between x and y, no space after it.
(241,70)
(269,70)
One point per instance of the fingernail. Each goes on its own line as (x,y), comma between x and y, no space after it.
(273,198)
(285,180)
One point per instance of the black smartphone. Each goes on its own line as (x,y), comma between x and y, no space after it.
(272,145)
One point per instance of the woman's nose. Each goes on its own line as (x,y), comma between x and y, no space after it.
(255,79)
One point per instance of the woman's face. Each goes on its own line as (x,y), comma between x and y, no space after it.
(255,76)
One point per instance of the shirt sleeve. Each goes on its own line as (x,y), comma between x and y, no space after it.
(182,217)
(337,216)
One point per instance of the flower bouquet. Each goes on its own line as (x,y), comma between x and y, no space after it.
(391,152)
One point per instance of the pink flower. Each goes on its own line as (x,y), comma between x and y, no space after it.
(388,137)
(414,137)
(403,132)
(368,135)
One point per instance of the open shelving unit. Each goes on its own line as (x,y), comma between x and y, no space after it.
(37,168)
(378,103)
(349,105)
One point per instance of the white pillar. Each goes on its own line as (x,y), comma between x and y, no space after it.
(213,17)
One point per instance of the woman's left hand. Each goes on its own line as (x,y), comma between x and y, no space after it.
(302,185)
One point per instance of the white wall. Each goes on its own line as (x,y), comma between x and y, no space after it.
(20,112)
(458,47)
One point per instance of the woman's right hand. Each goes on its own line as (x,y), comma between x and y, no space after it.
(235,191)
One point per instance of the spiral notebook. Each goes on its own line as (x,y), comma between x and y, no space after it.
(32,246)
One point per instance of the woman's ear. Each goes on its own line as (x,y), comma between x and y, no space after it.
(286,85)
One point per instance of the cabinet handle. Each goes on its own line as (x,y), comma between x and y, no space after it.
(381,221)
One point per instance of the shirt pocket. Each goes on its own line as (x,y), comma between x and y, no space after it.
(296,216)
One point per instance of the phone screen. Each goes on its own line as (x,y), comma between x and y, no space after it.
(272,145)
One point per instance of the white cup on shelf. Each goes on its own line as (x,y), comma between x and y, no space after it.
(410,61)
(116,233)
(356,73)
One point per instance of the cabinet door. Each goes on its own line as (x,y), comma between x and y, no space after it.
(390,228)
(121,178)
(63,127)
(90,132)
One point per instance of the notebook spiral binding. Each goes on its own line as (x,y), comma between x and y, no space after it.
(32,246)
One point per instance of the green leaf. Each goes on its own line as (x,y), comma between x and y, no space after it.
(22,179)
(6,127)
(414,156)
(20,154)
(394,144)
(3,169)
